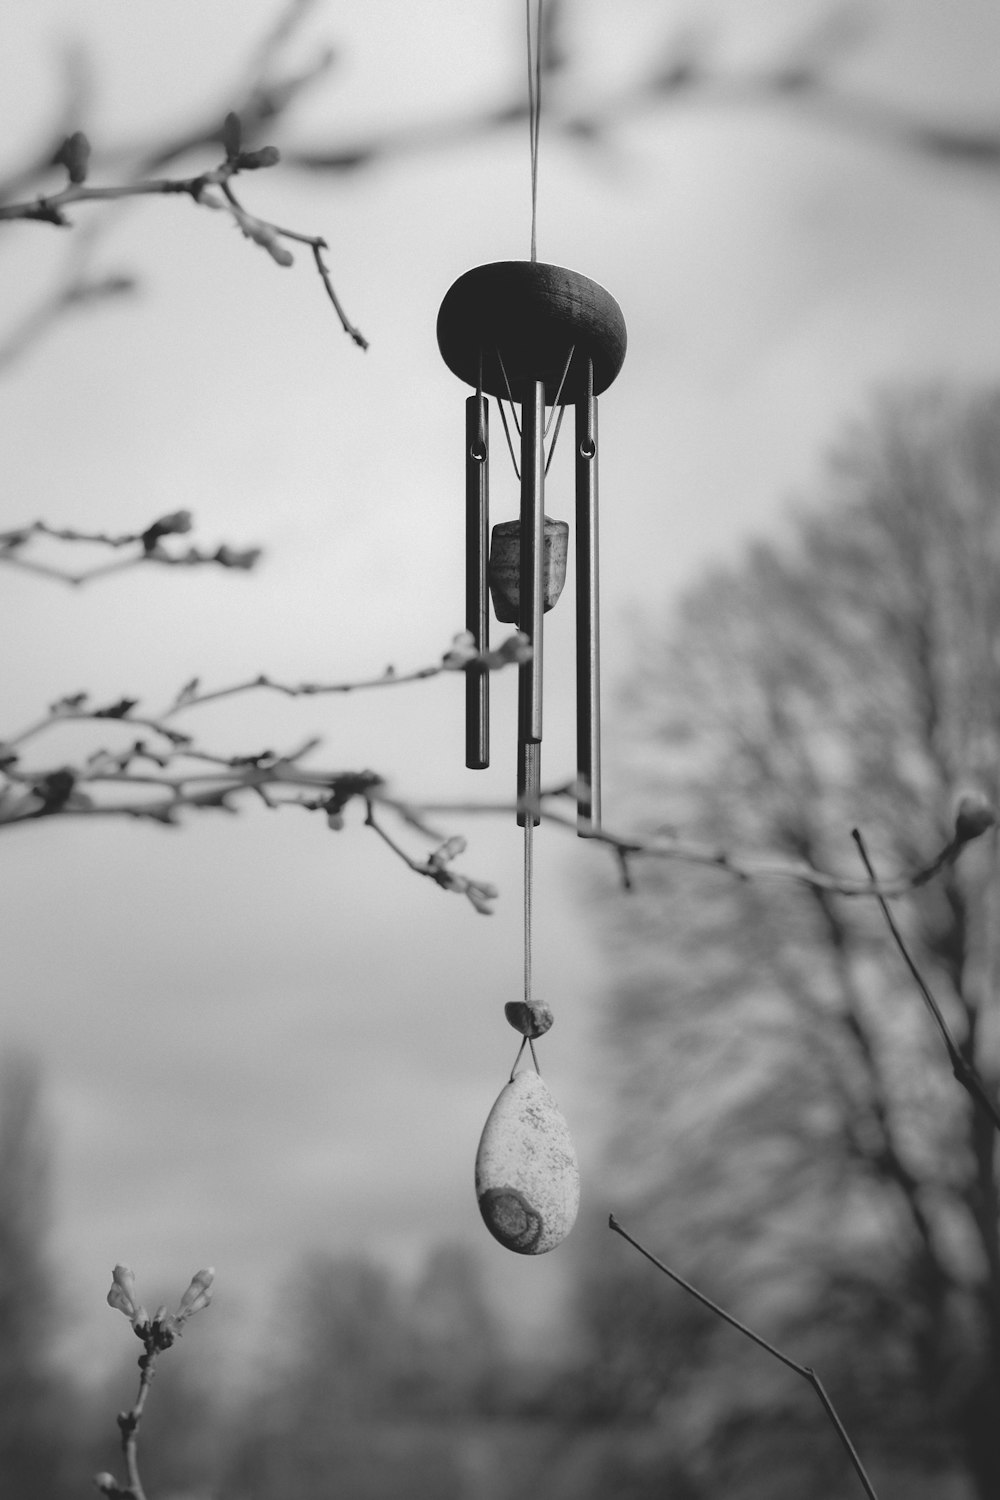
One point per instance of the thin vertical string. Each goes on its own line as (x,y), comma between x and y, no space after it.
(529,884)
(534,117)
(534,109)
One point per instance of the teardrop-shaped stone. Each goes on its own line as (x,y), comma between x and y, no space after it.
(527,1178)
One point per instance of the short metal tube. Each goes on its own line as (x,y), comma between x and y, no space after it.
(532,590)
(477,599)
(588,640)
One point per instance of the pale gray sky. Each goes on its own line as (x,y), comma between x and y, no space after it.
(259,1036)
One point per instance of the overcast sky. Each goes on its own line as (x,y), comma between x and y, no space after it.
(261,1037)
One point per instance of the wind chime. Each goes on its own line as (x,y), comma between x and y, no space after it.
(540,338)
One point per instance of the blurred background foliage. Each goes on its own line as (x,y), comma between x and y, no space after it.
(785,1129)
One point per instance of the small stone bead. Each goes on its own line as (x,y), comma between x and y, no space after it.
(532,1018)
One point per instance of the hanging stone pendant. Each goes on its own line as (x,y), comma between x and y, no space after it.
(527,1178)
(505,567)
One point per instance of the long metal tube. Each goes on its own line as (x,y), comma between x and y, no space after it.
(588,638)
(477,599)
(532,594)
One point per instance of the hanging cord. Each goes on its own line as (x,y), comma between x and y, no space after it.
(555,437)
(529,892)
(529,882)
(534,109)
(555,403)
(562,409)
(534,117)
(506,433)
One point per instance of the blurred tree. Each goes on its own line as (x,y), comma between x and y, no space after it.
(786,1124)
(460,1354)
(32,1421)
(378,1385)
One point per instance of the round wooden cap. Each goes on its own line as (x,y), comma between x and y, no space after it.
(522,318)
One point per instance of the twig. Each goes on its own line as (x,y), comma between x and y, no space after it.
(157,1334)
(185,782)
(436,866)
(962,1069)
(193,698)
(50,208)
(805,1371)
(129,1422)
(460,656)
(34,794)
(318,246)
(148,545)
(76,707)
(627,848)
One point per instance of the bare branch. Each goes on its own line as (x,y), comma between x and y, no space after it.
(162,776)
(460,655)
(480,893)
(628,849)
(157,1334)
(805,1371)
(963,1070)
(318,246)
(145,547)
(50,208)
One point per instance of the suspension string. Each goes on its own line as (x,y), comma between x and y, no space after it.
(510,393)
(559,387)
(513,412)
(506,433)
(561,409)
(555,437)
(534,119)
(529,890)
(534,109)
(480,412)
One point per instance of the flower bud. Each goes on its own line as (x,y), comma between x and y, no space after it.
(122,1296)
(973,816)
(232,135)
(232,557)
(462,651)
(482,895)
(198,1294)
(267,156)
(176,523)
(449,850)
(74,155)
(515,649)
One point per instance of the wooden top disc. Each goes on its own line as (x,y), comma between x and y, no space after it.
(523,318)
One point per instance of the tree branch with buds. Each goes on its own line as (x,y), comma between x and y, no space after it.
(211,189)
(17,549)
(158,1333)
(165,773)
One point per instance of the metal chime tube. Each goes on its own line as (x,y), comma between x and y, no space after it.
(588,642)
(532,594)
(477,598)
